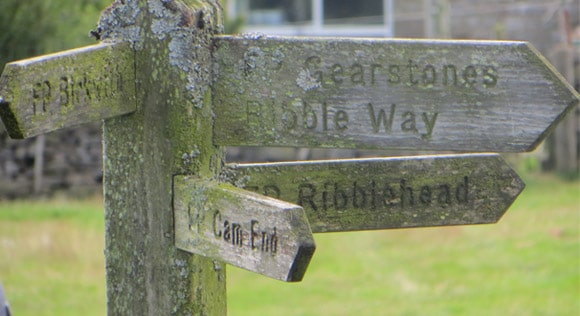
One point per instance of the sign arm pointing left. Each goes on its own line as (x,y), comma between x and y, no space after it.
(66,89)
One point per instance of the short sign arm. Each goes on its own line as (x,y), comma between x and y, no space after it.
(67,89)
(242,228)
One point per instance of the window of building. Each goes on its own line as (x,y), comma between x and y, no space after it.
(316,17)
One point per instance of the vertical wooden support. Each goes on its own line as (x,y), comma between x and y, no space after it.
(565,137)
(39,145)
(563,144)
(437,18)
(171,133)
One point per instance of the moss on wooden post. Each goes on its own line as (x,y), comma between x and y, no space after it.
(170,133)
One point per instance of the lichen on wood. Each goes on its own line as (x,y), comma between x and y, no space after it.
(170,133)
(67,89)
(242,228)
(386,193)
(362,93)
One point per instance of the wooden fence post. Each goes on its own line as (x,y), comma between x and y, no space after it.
(39,145)
(563,144)
(169,134)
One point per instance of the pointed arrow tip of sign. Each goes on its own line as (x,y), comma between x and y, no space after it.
(518,186)
(303,256)
(513,190)
(551,71)
(548,131)
(565,97)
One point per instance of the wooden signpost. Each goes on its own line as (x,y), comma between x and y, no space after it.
(171,91)
(381,193)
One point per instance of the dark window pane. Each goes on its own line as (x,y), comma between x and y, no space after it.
(285,12)
(353,12)
(276,12)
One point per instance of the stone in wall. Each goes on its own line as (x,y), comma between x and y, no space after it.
(71,161)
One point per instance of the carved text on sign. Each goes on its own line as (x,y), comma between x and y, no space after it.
(376,193)
(402,194)
(384,94)
(59,95)
(248,230)
(410,73)
(250,235)
(315,116)
(66,89)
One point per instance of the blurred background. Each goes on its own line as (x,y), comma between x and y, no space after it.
(51,211)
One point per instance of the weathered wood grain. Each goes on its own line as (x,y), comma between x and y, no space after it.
(242,228)
(385,94)
(66,89)
(169,133)
(380,193)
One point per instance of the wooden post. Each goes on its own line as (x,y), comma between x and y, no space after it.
(564,137)
(437,18)
(39,162)
(169,134)
(563,152)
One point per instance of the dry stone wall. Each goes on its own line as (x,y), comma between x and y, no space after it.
(68,160)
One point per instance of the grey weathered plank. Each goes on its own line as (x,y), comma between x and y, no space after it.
(242,228)
(379,193)
(65,89)
(385,93)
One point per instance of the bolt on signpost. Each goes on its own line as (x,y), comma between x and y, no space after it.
(171,91)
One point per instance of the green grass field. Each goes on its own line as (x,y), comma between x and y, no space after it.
(51,263)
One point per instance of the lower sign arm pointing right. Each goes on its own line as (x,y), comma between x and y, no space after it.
(242,228)
(384,193)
